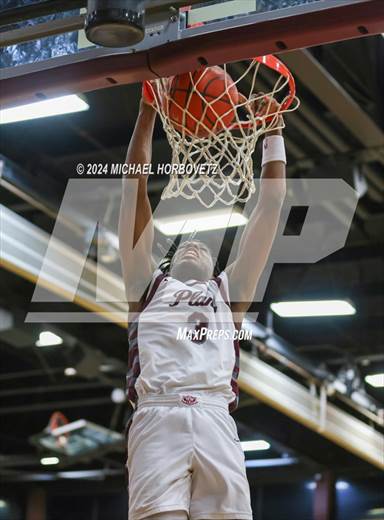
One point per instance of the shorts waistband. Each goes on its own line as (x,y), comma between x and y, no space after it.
(186,400)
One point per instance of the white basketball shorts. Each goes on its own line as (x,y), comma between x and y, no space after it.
(184,454)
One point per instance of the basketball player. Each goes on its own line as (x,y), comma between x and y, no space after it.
(184,456)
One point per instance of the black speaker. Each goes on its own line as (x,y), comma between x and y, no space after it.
(115,23)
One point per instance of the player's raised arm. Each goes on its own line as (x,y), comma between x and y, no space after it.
(259,234)
(135,223)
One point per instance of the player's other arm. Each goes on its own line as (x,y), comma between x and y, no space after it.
(135,222)
(259,234)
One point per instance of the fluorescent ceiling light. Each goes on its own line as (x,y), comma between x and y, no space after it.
(49,461)
(271,463)
(46,108)
(255,445)
(48,339)
(341,485)
(376,380)
(88,474)
(202,221)
(313,308)
(118,395)
(70,371)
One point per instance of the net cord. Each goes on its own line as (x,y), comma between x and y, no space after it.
(228,147)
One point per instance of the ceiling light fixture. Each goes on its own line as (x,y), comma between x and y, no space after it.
(49,461)
(201,221)
(70,371)
(118,395)
(271,463)
(255,445)
(375,380)
(46,108)
(313,308)
(341,485)
(48,339)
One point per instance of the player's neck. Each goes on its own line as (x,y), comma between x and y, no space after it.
(185,274)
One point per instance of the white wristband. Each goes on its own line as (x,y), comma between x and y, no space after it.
(273,149)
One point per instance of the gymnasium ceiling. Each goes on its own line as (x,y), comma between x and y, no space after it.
(323,144)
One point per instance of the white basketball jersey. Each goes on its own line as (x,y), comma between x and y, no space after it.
(175,343)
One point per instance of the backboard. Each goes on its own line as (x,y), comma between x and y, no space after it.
(83,439)
(45,53)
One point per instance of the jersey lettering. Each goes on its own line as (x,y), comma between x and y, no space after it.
(194,298)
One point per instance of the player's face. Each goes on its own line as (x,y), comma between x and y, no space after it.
(192,260)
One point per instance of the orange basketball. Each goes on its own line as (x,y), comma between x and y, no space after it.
(210,103)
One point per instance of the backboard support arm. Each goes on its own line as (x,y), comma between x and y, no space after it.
(98,68)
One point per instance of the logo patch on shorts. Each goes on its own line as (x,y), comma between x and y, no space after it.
(189,400)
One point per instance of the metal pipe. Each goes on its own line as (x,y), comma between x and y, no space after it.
(319,81)
(41,30)
(293,399)
(26,374)
(28,12)
(316,122)
(271,352)
(54,405)
(44,208)
(52,388)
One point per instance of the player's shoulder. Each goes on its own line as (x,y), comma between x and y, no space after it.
(221,278)
(221,281)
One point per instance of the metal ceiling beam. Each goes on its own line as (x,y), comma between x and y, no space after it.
(325,130)
(25,374)
(36,10)
(24,247)
(250,381)
(81,475)
(324,86)
(34,32)
(69,387)
(310,134)
(55,405)
(317,133)
(46,8)
(281,392)
(376,179)
(351,274)
(15,461)
(307,130)
(312,122)
(24,185)
(93,69)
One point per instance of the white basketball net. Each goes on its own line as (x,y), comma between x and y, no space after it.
(228,151)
